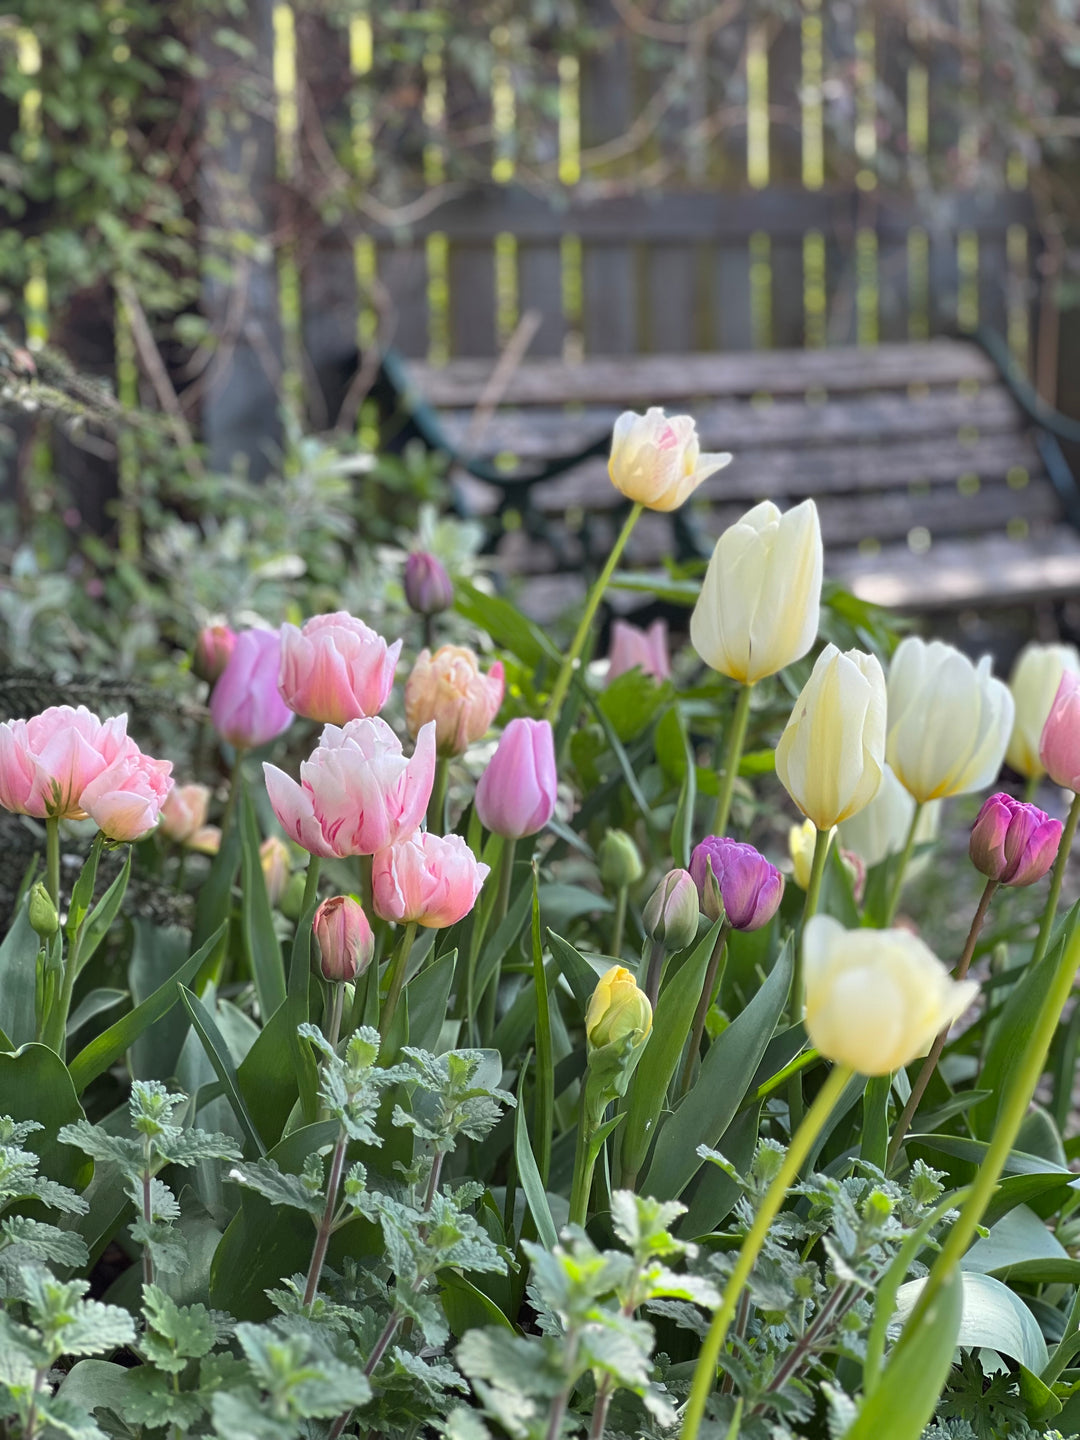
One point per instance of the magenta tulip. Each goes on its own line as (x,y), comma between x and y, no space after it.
(750,888)
(346,943)
(432,880)
(336,669)
(516,793)
(645,649)
(245,706)
(1012,842)
(1059,748)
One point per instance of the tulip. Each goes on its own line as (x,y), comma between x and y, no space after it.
(336,669)
(750,888)
(1034,684)
(184,812)
(41,912)
(831,754)
(47,762)
(619,861)
(206,841)
(1012,842)
(1059,747)
(875,999)
(245,706)
(617,1011)
(428,588)
(126,798)
(346,943)
(881,829)
(213,651)
(759,604)
(357,792)
(274,861)
(516,793)
(634,648)
(949,720)
(448,687)
(429,880)
(656,461)
(802,840)
(672,911)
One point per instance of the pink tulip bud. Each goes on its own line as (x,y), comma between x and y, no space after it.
(336,669)
(516,793)
(213,651)
(749,886)
(245,705)
(430,879)
(206,841)
(671,912)
(48,761)
(448,687)
(633,647)
(126,798)
(428,588)
(346,943)
(1059,749)
(1012,842)
(184,812)
(274,860)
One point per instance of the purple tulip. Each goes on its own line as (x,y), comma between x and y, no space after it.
(516,793)
(1012,842)
(749,887)
(428,588)
(245,706)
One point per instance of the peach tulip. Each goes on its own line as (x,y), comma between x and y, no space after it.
(213,651)
(449,688)
(184,812)
(432,880)
(1059,748)
(336,669)
(346,943)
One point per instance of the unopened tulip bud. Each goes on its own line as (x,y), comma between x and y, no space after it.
(1012,842)
(428,588)
(516,794)
(620,863)
(671,912)
(44,920)
(184,812)
(618,1009)
(750,888)
(802,840)
(274,859)
(1059,749)
(345,940)
(213,650)
(206,840)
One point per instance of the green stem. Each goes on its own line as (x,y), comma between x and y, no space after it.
(736,740)
(1031,788)
(584,1165)
(1067,837)
(901,867)
(592,604)
(311,884)
(619,924)
(506,879)
(544,1094)
(398,964)
(800,1147)
(708,988)
(52,860)
(337,1005)
(436,810)
(1066,1347)
(366,862)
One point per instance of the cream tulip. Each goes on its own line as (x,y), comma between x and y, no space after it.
(875,999)
(759,604)
(832,752)
(949,720)
(1034,683)
(656,460)
(882,828)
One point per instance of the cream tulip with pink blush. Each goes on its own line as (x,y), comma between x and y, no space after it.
(336,669)
(450,688)
(426,879)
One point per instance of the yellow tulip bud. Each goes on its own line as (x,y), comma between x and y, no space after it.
(1034,684)
(875,999)
(617,1009)
(759,603)
(656,460)
(801,842)
(949,720)
(832,751)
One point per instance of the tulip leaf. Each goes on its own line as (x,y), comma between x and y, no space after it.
(671,1025)
(993,1318)
(18,978)
(35,1085)
(217,1052)
(580,972)
(715,1192)
(428,993)
(726,1073)
(629,773)
(99,922)
(298,1007)
(261,944)
(682,827)
(529,1173)
(94,1004)
(506,625)
(157,952)
(267,1075)
(875,1127)
(214,904)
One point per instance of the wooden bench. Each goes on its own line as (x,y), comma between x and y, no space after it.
(931,480)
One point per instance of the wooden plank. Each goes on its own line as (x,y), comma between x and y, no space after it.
(403,277)
(788,310)
(472,301)
(660,379)
(673,300)
(732,290)
(540,289)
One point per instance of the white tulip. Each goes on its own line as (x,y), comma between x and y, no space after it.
(882,828)
(1034,683)
(657,461)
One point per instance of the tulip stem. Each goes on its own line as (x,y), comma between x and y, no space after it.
(620,921)
(929,1065)
(810,905)
(712,977)
(311,885)
(1067,837)
(801,1144)
(506,880)
(592,604)
(436,811)
(736,741)
(901,868)
(52,860)
(398,964)
(655,970)
(337,1002)
(585,1155)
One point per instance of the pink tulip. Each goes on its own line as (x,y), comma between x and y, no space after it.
(430,879)
(206,841)
(336,669)
(47,762)
(516,793)
(448,687)
(126,798)
(357,792)
(184,812)
(346,943)
(1013,842)
(750,887)
(633,647)
(213,651)
(275,862)
(1059,748)
(245,706)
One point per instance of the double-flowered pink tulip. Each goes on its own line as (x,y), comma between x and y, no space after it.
(1013,842)
(1059,749)
(336,669)
(750,888)
(449,688)
(245,705)
(426,879)
(357,793)
(633,647)
(126,798)
(516,793)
